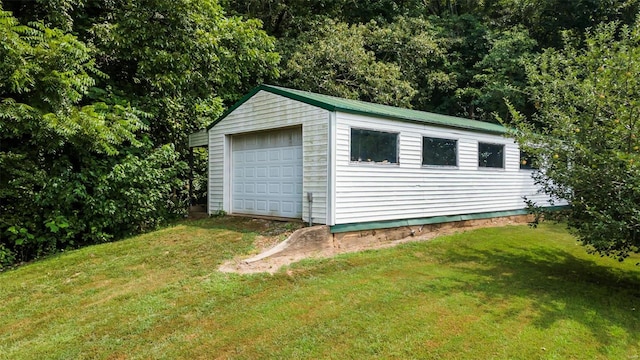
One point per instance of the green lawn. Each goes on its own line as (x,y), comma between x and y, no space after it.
(502,293)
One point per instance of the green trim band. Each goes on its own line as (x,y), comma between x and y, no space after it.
(373,225)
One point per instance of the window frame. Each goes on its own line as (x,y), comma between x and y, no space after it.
(457,153)
(492,168)
(374,163)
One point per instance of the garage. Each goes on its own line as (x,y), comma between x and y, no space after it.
(267,173)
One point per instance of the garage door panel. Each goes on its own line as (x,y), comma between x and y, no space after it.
(267,173)
(288,188)
(262,171)
(274,172)
(288,172)
(288,207)
(274,155)
(261,188)
(238,204)
(288,154)
(249,204)
(274,189)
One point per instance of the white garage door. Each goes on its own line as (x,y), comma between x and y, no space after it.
(267,173)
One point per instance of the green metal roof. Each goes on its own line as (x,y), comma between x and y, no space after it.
(333,103)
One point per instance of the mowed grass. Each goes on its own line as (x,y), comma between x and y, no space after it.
(498,293)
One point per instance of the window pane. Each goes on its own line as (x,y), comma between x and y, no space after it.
(374,146)
(490,155)
(441,152)
(526,161)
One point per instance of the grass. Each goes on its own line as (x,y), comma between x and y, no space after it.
(500,293)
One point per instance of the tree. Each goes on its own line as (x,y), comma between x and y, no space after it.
(416,46)
(342,66)
(179,60)
(547,19)
(289,18)
(500,74)
(585,135)
(96,101)
(45,134)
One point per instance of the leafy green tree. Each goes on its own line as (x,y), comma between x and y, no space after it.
(546,20)
(415,45)
(179,60)
(500,74)
(466,40)
(96,102)
(333,59)
(58,14)
(289,18)
(585,135)
(45,131)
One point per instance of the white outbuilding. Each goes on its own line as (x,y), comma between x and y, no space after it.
(355,165)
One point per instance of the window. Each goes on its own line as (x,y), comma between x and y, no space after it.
(526,161)
(491,155)
(439,152)
(375,147)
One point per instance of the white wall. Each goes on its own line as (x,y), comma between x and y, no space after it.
(198,138)
(267,111)
(408,190)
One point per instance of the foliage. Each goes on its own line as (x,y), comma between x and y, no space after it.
(546,20)
(585,135)
(96,102)
(500,74)
(454,65)
(46,136)
(289,18)
(179,60)
(45,73)
(415,45)
(342,66)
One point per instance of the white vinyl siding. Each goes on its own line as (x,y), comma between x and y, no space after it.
(410,190)
(198,139)
(264,112)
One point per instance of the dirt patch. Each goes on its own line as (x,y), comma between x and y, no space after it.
(282,245)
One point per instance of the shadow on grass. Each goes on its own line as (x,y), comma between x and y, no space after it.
(560,287)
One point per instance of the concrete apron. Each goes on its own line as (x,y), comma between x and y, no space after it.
(318,242)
